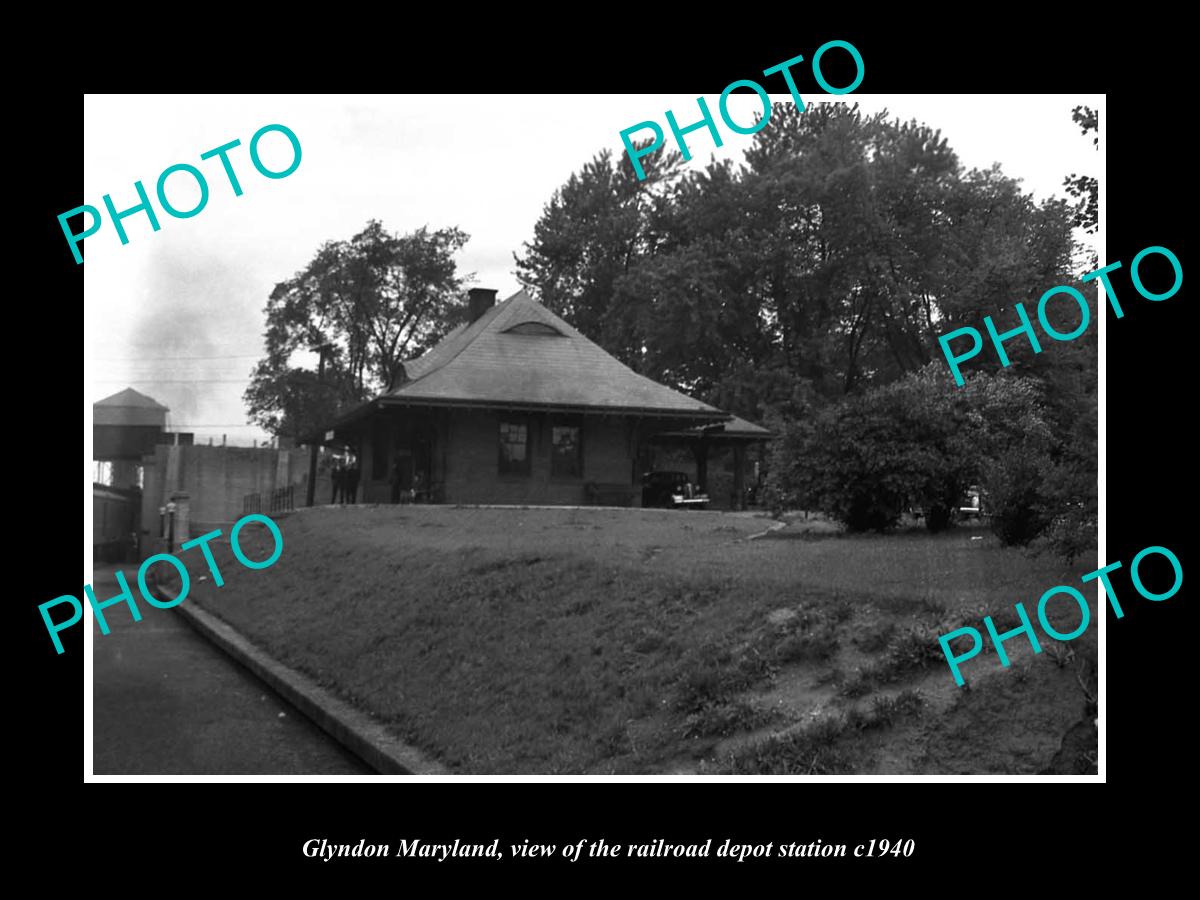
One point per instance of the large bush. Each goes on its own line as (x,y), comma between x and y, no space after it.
(1014,496)
(919,442)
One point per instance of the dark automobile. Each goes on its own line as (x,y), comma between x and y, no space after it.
(671,490)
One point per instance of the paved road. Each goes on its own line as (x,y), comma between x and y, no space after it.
(166,702)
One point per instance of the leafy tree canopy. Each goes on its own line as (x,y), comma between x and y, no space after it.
(373,300)
(1084,189)
(834,255)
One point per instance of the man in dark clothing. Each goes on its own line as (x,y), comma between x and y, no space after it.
(351,495)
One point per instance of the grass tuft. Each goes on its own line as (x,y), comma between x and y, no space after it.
(813,750)
(725,719)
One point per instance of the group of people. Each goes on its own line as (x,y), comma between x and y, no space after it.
(345,475)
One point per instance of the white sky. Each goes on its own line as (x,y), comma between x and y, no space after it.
(486,164)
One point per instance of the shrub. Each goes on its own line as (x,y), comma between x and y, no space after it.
(937,517)
(918,441)
(1014,492)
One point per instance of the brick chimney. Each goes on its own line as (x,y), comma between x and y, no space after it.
(481,300)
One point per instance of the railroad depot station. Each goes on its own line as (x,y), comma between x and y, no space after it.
(517,407)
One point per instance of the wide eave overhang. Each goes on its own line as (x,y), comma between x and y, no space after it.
(363,410)
(715,434)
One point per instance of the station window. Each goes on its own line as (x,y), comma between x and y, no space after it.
(514,447)
(566,449)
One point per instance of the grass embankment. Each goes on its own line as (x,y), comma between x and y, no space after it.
(554,641)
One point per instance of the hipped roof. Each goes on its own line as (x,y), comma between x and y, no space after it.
(484,363)
(128,407)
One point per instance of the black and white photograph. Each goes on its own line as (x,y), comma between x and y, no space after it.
(544,435)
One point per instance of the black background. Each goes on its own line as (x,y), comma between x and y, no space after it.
(968,834)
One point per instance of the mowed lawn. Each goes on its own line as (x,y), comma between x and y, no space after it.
(637,641)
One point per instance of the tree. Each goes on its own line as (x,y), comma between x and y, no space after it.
(1084,188)
(594,229)
(835,255)
(377,299)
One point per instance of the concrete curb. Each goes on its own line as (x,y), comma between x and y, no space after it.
(352,728)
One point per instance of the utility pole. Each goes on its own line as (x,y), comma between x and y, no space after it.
(312,457)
